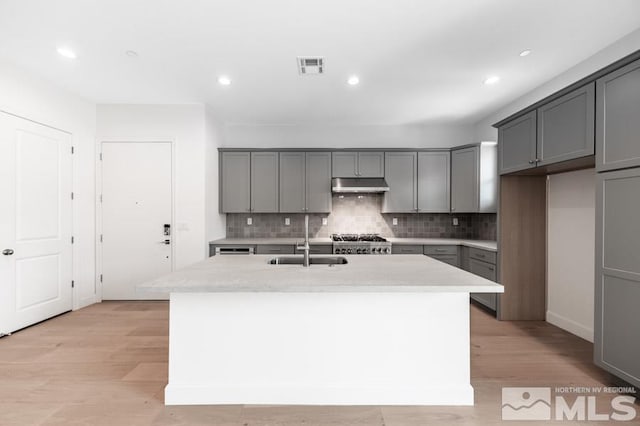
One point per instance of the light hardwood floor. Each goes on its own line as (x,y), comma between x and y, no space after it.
(107,365)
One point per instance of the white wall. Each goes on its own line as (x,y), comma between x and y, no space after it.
(623,47)
(215,222)
(571,251)
(364,136)
(185,126)
(38,100)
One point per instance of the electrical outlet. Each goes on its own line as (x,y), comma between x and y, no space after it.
(249,221)
(287,221)
(325,221)
(395,221)
(455,221)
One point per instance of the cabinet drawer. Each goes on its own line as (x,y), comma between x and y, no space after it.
(406,249)
(275,249)
(429,250)
(483,269)
(321,249)
(483,255)
(451,259)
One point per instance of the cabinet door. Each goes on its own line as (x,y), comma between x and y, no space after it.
(400,172)
(618,119)
(451,259)
(318,182)
(371,164)
(434,189)
(264,182)
(344,164)
(566,127)
(617,296)
(464,180)
(517,144)
(292,182)
(235,187)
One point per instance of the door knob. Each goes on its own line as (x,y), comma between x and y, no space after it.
(167,242)
(7,252)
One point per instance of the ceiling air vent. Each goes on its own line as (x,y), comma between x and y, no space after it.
(310,66)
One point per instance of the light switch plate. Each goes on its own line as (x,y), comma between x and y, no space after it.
(325,221)
(455,221)
(287,221)
(395,221)
(249,221)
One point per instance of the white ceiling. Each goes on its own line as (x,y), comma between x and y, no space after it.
(418,60)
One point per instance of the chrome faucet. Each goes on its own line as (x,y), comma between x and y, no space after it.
(305,247)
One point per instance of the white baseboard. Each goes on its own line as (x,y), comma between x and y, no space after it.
(570,325)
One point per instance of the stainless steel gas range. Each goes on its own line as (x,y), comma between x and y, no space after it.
(360,244)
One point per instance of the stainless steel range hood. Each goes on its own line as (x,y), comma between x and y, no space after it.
(359,185)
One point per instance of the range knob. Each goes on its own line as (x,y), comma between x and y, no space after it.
(348,251)
(387,250)
(337,251)
(359,251)
(343,251)
(365,251)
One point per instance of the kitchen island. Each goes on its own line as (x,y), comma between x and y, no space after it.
(380,330)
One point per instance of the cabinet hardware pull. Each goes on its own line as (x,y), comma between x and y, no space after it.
(531,161)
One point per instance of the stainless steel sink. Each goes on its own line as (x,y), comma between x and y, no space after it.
(295,260)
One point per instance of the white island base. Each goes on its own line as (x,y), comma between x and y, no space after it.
(328,348)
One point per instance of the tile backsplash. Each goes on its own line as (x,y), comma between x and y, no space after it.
(359,214)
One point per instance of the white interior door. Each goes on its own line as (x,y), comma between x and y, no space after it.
(136,206)
(35,222)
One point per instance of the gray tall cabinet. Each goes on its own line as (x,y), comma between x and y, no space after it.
(617,296)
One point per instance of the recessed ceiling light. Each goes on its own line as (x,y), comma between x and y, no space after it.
(131,53)
(224,80)
(525,52)
(353,80)
(491,80)
(67,53)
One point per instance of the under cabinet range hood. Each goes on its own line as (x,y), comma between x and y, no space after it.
(358,185)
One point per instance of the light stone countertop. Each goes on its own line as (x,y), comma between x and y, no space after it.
(365,274)
(481,244)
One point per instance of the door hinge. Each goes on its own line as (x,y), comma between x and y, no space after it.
(100,277)
(100,197)
(100,237)
(72,240)
(73,151)
(73,284)
(72,195)
(100,156)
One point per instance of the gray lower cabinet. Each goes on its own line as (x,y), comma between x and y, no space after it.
(400,172)
(618,118)
(488,271)
(264,182)
(517,144)
(352,164)
(320,249)
(305,182)
(566,127)
(434,182)
(446,254)
(617,295)
(235,182)
(406,249)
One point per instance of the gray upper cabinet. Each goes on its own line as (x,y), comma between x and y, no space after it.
(517,141)
(464,180)
(434,189)
(351,164)
(305,182)
(474,179)
(618,118)
(318,182)
(264,182)
(617,294)
(292,182)
(400,172)
(566,127)
(235,185)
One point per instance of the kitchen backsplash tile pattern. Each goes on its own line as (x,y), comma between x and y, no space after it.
(359,214)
